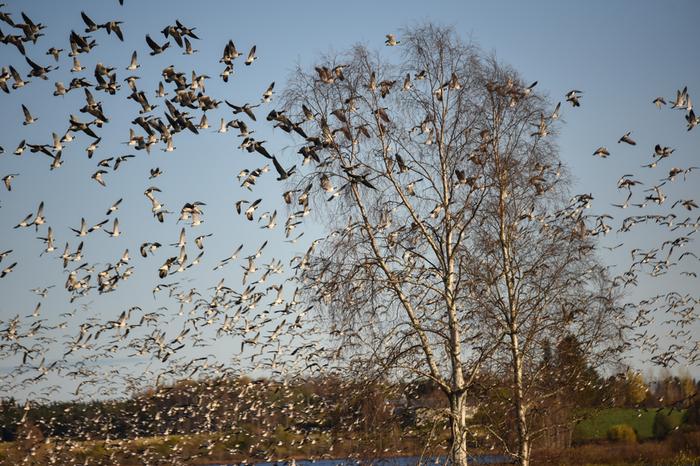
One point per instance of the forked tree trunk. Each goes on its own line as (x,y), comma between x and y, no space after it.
(458,425)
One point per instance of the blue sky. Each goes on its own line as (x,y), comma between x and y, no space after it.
(620,54)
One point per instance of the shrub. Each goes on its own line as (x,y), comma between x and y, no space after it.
(692,414)
(686,440)
(622,433)
(662,426)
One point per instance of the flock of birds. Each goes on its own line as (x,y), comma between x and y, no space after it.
(267,313)
(186,108)
(674,312)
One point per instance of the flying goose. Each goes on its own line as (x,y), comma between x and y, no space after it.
(573,96)
(97,176)
(115,229)
(28,118)
(283,174)
(391,40)
(267,95)
(54,52)
(7,270)
(133,64)
(627,139)
(601,152)
(7,179)
(251,57)
(37,70)
(155,48)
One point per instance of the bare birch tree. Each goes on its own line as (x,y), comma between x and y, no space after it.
(535,271)
(408,160)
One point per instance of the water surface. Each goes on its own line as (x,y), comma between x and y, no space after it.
(395,461)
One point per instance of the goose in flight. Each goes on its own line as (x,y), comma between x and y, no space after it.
(601,152)
(18,82)
(7,180)
(230,53)
(114,207)
(91,25)
(155,48)
(245,108)
(146,248)
(574,97)
(49,240)
(391,40)
(115,229)
(54,52)
(188,48)
(250,211)
(4,254)
(39,219)
(113,27)
(267,95)
(97,176)
(7,270)
(20,148)
(38,71)
(627,139)
(25,222)
(251,56)
(133,64)
(663,151)
(283,174)
(84,230)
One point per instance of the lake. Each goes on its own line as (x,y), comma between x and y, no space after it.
(396,461)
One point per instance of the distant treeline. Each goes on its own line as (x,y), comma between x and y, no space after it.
(330,406)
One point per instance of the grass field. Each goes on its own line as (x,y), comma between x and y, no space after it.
(597,425)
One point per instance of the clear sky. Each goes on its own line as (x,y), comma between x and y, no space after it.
(621,54)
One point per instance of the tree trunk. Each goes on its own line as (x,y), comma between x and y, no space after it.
(520,415)
(458,425)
